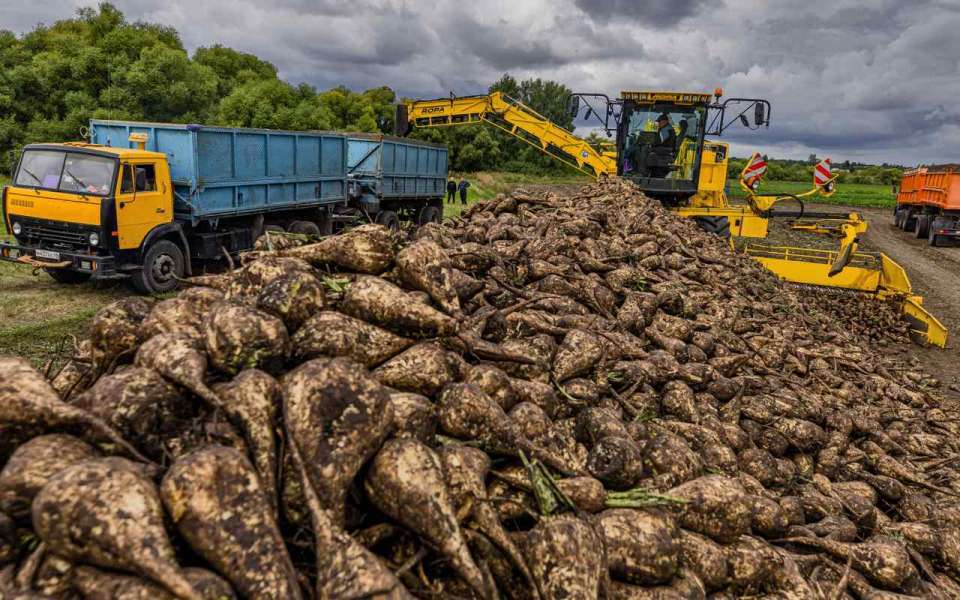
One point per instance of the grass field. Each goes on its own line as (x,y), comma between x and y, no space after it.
(847,194)
(38,316)
(485,185)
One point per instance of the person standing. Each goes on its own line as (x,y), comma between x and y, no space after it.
(451,190)
(463,186)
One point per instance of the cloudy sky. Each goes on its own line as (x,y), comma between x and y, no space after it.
(872,80)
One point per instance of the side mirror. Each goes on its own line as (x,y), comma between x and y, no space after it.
(573,106)
(743,119)
(758,114)
(588,114)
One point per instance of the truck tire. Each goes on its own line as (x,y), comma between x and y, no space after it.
(163,265)
(429,214)
(388,219)
(304,228)
(932,238)
(68,277)
(922,227)
(909,221)
(898,218)
(325,224)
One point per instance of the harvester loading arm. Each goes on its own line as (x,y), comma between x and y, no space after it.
(513,117)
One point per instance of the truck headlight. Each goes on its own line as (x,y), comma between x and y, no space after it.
(17,229)
(94,239)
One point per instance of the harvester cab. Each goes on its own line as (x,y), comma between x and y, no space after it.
(661,138)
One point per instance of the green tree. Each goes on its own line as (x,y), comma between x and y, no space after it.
(167,86)
(233,68)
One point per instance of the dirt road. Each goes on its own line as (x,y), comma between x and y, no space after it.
(934,274)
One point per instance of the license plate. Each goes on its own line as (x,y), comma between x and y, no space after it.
(48,254)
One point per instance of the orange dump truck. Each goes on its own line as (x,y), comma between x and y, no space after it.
(929,204)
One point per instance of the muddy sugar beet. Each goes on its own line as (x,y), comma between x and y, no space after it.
(558,395)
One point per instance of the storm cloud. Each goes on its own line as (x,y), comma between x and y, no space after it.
(874,81)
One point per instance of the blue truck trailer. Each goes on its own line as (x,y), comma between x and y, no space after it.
(151,201)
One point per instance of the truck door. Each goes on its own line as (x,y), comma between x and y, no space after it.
(142,203)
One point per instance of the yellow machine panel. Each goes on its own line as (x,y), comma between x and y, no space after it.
(648,97)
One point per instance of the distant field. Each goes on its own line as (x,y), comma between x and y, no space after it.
(848,194)
(485,185)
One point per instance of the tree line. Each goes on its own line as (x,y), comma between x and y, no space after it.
(54,79)
(798,170)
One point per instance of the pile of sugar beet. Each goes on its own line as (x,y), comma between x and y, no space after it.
(553,396)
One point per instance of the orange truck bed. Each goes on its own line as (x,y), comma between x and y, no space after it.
(934,187)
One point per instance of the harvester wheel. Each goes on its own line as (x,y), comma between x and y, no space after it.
(305,228)
(715,225)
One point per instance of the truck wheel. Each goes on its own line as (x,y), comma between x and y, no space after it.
(429,214)
(304,228)
(163,264)
(932,237)
(325,224)
(909,221)
(388,219)
(67,277)
(923,226)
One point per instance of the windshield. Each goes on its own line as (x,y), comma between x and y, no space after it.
(66,172)
(664,149)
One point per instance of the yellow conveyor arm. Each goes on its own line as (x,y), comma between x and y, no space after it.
(518,120)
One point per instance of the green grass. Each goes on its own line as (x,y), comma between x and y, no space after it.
(847,194)
(39,317)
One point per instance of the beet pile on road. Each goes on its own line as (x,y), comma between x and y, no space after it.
(551,397)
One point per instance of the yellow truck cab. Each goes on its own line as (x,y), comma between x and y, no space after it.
(86,210)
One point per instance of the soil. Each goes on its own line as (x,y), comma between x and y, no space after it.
(934,274)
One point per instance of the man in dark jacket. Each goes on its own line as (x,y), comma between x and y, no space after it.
(464,184)
(451,190)
(666,134)
(663,149)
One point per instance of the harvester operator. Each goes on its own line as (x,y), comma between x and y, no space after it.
(666,135)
